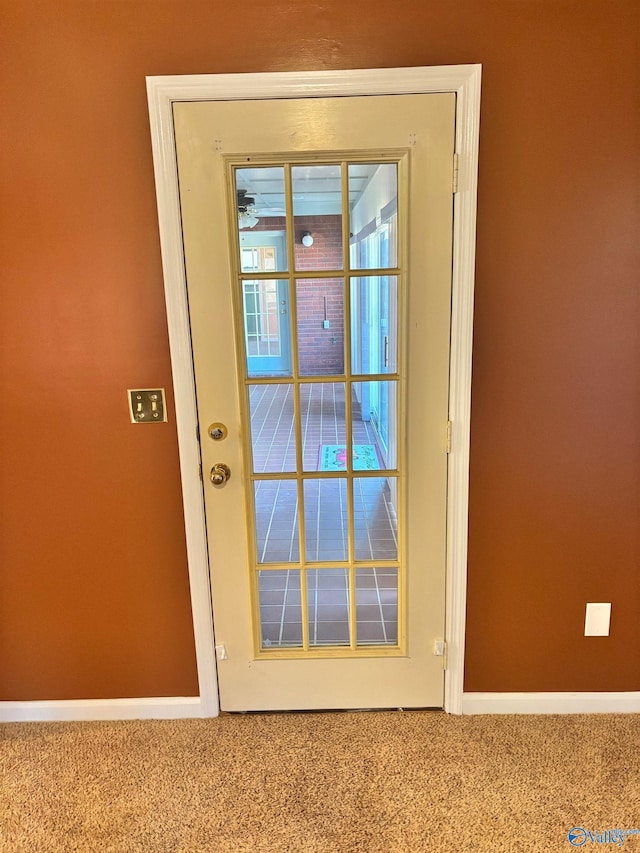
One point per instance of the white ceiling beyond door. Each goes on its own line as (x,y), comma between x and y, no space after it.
(317,190)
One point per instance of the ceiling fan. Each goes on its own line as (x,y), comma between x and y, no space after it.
(249,213)
(246,210)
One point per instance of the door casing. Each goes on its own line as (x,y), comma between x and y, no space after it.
(464,81)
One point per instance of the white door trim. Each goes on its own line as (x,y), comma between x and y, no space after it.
(464,81)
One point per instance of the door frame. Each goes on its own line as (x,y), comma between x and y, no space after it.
(162,92)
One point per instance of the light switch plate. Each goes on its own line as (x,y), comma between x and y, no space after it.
(147,405)
(597,620)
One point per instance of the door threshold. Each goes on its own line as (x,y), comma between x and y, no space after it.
(328,711)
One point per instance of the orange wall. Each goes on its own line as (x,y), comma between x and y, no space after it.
(94,598)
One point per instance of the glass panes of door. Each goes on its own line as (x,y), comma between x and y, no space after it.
(323,425)
(321,369)
(265,305)
(373,232)
(374,316)
(328,607)
(320,326)
(377,606)
(375,425)
(280,607)
(261,240)
(375,518)
(273,438)
(326,520)
(276,522)
(317,217)
(261,215)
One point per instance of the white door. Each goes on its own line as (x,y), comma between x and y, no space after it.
(327,542)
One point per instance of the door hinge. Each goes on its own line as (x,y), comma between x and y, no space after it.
(200,472)
(456,169)
(449,431)
(440,651)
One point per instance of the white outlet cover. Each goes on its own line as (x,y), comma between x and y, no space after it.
(597,619)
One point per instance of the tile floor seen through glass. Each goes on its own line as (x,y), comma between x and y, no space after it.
(273,441)
(328,606)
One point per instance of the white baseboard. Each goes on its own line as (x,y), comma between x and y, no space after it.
(160,708)
(551,703)
(178,707)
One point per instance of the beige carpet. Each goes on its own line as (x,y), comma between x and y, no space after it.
(385,782)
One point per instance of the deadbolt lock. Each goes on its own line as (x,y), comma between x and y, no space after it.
(218,431)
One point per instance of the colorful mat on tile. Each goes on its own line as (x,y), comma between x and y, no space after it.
(333,457)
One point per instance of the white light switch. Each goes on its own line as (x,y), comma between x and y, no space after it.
(596,623)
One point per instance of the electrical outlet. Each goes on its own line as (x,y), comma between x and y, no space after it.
(597,620)
(147,405)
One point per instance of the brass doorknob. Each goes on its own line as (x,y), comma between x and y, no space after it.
(220,473)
